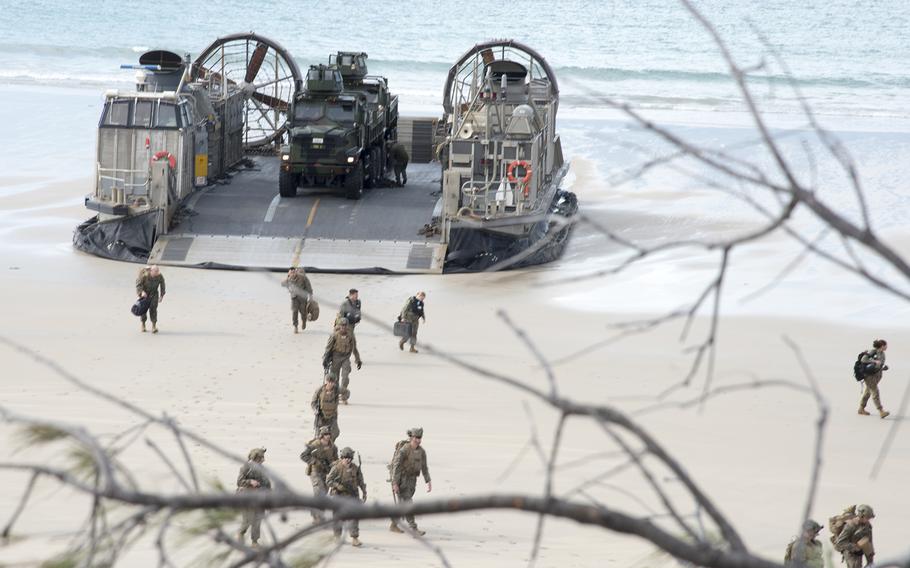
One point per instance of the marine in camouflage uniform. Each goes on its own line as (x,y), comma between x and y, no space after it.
(319,455)
(410,461)
(805,551)
(412,312)
(299,287)
(148,284)
(345,481)
(350,309)
(337,357)
(855,540)
(252,477)
(325,407)
(876,357)
(399,157)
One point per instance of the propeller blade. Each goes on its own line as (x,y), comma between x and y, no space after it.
(273,102)
(252,68)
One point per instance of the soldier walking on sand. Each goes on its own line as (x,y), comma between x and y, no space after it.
(252,477)
(345,481)
(855,540)
(299,287)
(148,284)
(874,359)
(398,154)
(325,407)
(337,357)
(412,312)
(319,455)
(350,309)
(410,461)
(805,551)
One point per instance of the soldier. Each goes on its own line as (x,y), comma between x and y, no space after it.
(319,455)
(345,481)
(876,358)
(412,312)
(252,477)
(805,551)
(337,356)
(410,461)
(148,284)
(350,309)
(398,154)
(325,407)
(855,540)
(299,287)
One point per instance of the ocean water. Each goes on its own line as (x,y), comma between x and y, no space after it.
(848,57)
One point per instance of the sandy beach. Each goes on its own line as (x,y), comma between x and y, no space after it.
(227,366)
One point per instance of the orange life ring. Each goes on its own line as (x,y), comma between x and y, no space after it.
(510,173)
(165,154)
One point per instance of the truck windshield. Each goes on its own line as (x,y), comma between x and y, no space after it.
(308,111)
(341,113)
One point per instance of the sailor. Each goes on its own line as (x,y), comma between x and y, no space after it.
(319,455)
(398,154)
(299,287)
(325,407)
(252,477)
(345,481)
(337,357)
(410,461)
(350,309)
(412,312)
(148,284)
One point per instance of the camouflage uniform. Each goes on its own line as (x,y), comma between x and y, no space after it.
(805,551)
(350,310)
(346,481)
(412,312)
(400,158)
(406,466)
(325,407)
(871,381)
(299,287)
(319,457)
(847,542)
(337,357)
(149,284)
(252,518)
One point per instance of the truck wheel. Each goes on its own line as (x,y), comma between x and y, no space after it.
(287,184)
(370,169)
(353,183)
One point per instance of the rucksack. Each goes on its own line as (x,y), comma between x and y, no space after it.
(859,368)
(398,446)
(837,522)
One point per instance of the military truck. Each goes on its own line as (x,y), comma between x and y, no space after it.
(338,129)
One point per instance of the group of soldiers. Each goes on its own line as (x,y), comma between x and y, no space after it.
(851,536)
(332,472)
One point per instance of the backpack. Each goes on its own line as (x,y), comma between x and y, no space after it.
(859,368)
(837,522)
(398,446)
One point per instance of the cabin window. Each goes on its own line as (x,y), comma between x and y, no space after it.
(143,115)
(308,111)
(167,115)
(508,153)
(186,115)
(341,113)
(118,114)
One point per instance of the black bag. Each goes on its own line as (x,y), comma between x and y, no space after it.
(862,370)
(141,307)
(402,329)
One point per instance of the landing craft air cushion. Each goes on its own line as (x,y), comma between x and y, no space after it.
(189,162)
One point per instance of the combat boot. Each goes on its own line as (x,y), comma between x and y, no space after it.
(356,541)
(241,537)
(418,531)
(884,413)
(154,327)
(394,528)
(413,349)
(254,544)
(862,411)
(400,344)
(143,327)
(295,328)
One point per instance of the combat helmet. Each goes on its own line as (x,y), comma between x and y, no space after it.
(323,430)
(416,432)
(865,511)
(256,454)
(346,452)
(812,526)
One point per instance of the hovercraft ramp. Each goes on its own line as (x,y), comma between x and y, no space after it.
(246,224)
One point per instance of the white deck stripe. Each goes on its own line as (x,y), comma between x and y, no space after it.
(273,206)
